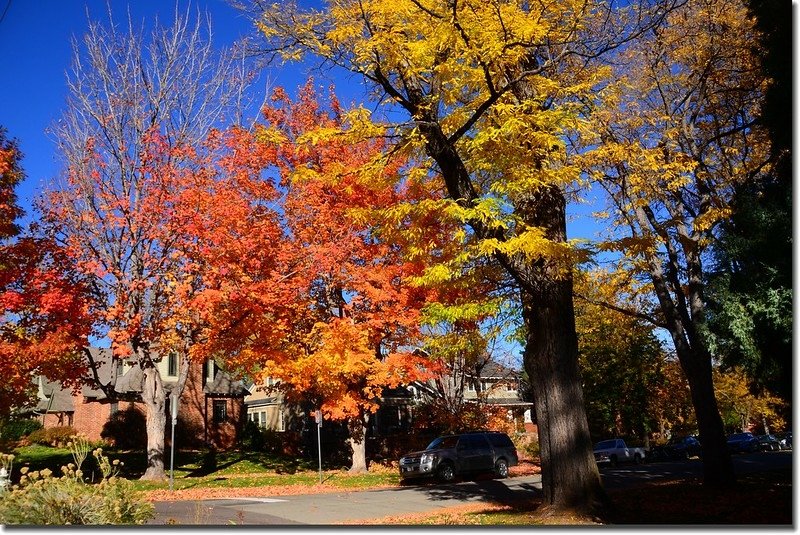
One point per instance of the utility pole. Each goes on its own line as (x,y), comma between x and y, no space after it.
(174,409)
(318,418)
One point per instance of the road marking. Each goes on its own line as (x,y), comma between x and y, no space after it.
(249,499)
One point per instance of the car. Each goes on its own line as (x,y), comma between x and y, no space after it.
(466,453)
(768,442)
(784,440)
(614,451)
(678,447)
(742,443)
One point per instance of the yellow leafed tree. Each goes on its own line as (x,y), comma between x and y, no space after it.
(482,93)
(676,132)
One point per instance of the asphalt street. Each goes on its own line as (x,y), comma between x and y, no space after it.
(352,507)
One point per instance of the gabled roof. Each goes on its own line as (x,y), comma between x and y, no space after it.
(106,371)
(494,370)
(224,386)
(53,397)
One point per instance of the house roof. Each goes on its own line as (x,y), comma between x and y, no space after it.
(53,397)
(106,371)
(495,370)
(224,386)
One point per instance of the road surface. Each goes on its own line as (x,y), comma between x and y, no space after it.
(341,507)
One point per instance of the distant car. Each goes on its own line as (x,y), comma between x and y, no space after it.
(742,443)
(614,451)
(678,447)
(784,440)
(768,443)
(452,455)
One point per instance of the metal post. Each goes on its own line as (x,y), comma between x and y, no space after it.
(174,411)
(318,417)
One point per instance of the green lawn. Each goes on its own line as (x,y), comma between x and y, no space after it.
(192,469)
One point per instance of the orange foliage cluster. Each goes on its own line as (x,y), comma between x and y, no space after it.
(44,311)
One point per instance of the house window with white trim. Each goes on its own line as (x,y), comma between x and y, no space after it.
(172,365)
(220,410)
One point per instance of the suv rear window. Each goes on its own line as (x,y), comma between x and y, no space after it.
(499,440)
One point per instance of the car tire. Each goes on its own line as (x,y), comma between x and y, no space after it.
(637,459)
(501,468)
(446,472)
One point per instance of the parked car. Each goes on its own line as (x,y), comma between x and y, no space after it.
(615,451)
(452,455)
(742,443)
(677,447)
(784,440)
(768,442)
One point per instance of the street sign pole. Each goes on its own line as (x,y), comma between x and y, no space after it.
(318,418)
(174,411)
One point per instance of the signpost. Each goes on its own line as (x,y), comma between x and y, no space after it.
(318,418)
(174,410)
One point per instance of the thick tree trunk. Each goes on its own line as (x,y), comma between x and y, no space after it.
(358,443)
(570,477)
(571,480)
(154,398)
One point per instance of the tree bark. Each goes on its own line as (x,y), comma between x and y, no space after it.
(570,477)
(717,464)
(154,398)
(695,359)
(358,443)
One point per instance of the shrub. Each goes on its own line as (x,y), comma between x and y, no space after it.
(41,499)
(52,436)
(527,445)
(16,429)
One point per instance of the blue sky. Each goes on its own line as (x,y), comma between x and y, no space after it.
(36,53)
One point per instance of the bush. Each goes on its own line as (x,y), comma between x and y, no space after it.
(52,436)
(41,499)
(16,429)
(527,445)
(256,438)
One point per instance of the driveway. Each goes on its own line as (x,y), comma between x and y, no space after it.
(334,508)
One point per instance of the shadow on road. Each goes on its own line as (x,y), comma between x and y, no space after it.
(502,492)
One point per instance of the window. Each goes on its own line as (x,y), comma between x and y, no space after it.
(172,365)
(470,386)
(220,410)
(263,416)
(510,386)
(119,367)
(114,407)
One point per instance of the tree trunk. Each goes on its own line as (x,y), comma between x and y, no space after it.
(695,360)
(358,443)
(717,464)
(570,478)
(154,398)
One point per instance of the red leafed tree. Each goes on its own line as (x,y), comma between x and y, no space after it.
(364,313)
(43,302)
(138,117)
(327,310)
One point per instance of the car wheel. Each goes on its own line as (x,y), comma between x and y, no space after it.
(637,459)
(501,468)
(446,472)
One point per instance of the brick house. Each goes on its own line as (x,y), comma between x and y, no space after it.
(210,407)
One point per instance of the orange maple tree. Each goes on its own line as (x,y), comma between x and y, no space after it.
(323,304)
(44,319)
